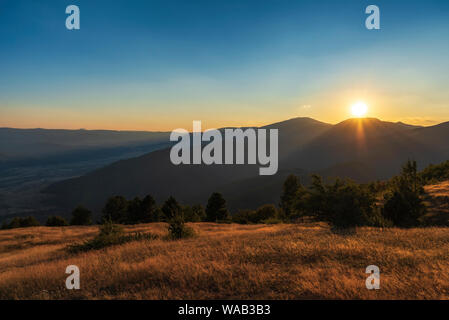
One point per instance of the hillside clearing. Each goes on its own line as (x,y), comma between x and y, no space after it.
(229,261)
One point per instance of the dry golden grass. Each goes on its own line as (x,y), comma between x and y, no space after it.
(437,202)
(229,262)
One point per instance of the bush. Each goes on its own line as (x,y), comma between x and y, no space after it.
(178,230)
(272,221)
(265,212)
(55,221)
(81,217)
(403,208)
(343,203)
(195,213)
(109,235)
(403,204)
(243,216)
(436,173)
(18,222)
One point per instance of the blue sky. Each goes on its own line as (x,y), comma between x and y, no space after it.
(158,65)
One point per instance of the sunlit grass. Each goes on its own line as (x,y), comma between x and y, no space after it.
(228,261)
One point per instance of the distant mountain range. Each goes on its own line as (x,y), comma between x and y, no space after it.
(35,144)
(361,149)
(31,159)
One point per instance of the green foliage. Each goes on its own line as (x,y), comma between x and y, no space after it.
(148,210)
(403,204)
(273,221)
(109,235)
(81,216)
(56,221)
(142,211)
(178,230)
(289,195)
(171,209)
(243,216)
(116,210)
(134,211)
(265,212)
(436,173)
(18,222)
(195,213)
(342,203)
(216,209)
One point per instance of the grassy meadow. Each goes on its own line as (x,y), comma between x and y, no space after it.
(228,261)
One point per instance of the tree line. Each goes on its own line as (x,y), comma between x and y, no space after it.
(343,203)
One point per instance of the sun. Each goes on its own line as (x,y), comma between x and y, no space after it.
(359,109)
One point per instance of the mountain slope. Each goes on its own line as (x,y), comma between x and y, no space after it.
(362,149)
(381,145)
(155,174)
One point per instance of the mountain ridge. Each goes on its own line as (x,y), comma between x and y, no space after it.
(305,145)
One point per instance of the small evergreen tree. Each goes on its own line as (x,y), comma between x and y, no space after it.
(81,217)
(171,208)
(115,210)
(178,230)
(134,212)
(289,195)
(149,210)
(216,209)
(403,204)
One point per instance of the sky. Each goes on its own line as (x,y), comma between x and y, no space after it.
(159,65)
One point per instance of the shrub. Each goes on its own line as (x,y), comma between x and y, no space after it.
(436,173)
(265,212)
(243,216)
(403,204)
(29,222)
(178,230)
(343,203)
(18,222)
(55,221)
(273,221)
(81,217)
(195,213)
(109,235)
(403,208)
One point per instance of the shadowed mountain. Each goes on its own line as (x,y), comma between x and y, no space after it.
(155,174)
(361,149)
(382,146)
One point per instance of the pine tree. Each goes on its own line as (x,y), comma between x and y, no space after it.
(216,209)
